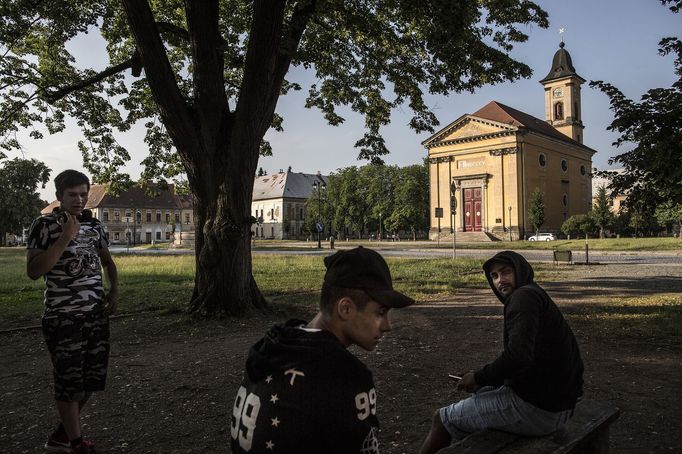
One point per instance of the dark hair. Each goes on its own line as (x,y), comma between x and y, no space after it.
(69,179)
(331,294)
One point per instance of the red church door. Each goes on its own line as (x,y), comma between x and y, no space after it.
(473,204)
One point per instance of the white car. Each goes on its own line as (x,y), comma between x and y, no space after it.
(542,237)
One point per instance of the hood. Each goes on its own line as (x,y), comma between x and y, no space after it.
(285,346)
(522,269)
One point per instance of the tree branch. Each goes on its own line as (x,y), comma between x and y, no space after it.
(173,109)
(52,96)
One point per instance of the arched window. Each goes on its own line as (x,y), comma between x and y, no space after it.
(542,160)
(559,111)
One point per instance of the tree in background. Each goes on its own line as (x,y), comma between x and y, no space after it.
(411,207)
(213,73)
(579,224)
(669,214)
(653,168)
(536,210)
(20,202)
(601,211)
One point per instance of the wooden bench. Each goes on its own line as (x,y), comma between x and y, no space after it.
(586,432)
(563,256)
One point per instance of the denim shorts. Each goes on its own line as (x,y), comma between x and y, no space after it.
(501,409)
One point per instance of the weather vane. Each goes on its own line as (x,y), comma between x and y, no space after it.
(562,30)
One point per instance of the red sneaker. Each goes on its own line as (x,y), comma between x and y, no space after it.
(58,442)
(86,447)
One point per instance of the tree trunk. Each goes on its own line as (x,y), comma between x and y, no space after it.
(224,283)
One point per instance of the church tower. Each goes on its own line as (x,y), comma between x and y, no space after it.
(562,96)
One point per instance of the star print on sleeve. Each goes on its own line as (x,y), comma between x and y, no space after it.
(270,445)
(275,421)
(268,379)
(274,398)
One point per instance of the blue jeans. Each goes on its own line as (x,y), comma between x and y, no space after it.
(501,409)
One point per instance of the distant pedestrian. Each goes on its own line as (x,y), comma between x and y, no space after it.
(69,247)
(533,385)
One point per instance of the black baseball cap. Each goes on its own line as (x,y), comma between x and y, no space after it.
(364,269)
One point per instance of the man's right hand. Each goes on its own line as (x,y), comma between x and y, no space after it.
(71,227)
(468,383)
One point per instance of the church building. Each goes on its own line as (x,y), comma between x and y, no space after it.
(484,166)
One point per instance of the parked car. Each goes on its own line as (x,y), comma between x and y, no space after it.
(542,237)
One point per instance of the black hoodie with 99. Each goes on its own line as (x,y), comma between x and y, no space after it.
(541,361)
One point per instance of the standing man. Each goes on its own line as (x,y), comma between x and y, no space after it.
(303,392)
(532,387)
(69,247)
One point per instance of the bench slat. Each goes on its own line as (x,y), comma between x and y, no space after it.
(589,426)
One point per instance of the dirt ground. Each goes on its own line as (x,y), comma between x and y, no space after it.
(172,381)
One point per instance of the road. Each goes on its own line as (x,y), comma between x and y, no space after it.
(626,257)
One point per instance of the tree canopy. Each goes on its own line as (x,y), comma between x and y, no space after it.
(653,167)
(205,77)
(536,210)
(20,204)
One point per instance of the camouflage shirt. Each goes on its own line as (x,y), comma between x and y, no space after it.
(74,284)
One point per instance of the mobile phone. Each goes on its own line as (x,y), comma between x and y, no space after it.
(454,377)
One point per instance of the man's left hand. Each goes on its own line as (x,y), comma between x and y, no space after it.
(111,302)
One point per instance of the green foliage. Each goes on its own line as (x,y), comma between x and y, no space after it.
(356,199)
(359,52)
(669,214)
(536,211)
(653,168)
(579,224)
(19,201)
(601,211)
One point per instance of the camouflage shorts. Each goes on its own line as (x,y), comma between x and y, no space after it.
(79,348)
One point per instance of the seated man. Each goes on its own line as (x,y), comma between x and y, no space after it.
(533,385)
(303,392)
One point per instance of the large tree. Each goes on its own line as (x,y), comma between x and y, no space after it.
(213,73)
(19,201)
(653,127)
(536,210)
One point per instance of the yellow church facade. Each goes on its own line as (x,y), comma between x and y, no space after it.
(484,166)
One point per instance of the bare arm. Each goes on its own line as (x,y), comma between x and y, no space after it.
(40,261)
(112,278)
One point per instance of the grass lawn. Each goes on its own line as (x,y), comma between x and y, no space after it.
(164,283)
(607,244)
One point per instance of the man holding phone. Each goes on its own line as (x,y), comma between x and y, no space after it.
(532,387)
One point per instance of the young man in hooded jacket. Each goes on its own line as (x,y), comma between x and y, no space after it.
(532,387)
(303,392)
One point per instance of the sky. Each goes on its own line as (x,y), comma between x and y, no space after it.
(611,40)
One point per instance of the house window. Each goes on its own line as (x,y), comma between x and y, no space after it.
(149,216)
(158,235)
(300,214)
(167,235)
(564,200)
(158,216)
(167,218)
(129,213)
(186,218)
(105,216)
(564,165)
(117,215)
(582,170)
(117,236)
(138,215)
(542,160)
(177,217)
(559,111)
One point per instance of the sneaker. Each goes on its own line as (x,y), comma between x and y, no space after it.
(86,447)
(58,442)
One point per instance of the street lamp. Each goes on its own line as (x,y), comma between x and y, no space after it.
(453,210)
(380,233)
(510,224)
(319,185)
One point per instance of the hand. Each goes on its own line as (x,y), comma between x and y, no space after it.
(468,383)
(111,300)
(71,227)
